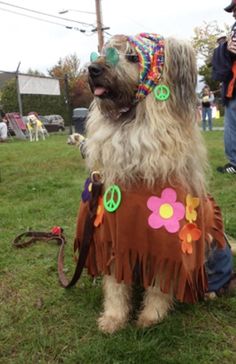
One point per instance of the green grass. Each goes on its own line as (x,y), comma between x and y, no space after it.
(40,322)
(218,122)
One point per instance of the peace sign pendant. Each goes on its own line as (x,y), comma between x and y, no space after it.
(112,198)
(161,92)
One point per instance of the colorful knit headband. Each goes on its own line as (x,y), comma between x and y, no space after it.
(150,51)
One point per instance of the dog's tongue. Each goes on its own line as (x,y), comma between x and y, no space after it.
(99,91)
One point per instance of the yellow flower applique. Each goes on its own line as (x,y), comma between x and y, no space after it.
(191,204)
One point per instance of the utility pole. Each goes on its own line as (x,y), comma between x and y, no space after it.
(99,25)
(68,104)
(18,90)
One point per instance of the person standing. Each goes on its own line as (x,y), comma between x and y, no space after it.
(3,130)
(224,70)
(206,101)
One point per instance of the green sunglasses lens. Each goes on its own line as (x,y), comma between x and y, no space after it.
(112,56)
(93,56)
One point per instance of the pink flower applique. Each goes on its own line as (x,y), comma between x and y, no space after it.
(166,211)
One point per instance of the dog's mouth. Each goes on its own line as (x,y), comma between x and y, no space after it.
(100,91)
(99,85)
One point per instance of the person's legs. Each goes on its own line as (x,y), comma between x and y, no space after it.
(209,113)
(230,132)
(230,138)
(219,268)
(204,118)
(3,131)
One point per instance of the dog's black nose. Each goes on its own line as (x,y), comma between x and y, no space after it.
(95,70)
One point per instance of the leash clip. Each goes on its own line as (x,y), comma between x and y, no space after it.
(96,177)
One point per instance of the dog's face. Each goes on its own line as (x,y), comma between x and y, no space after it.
(114,77)
(32,119)
(114,81)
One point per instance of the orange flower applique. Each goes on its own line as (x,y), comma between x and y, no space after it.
(188,234)
(100,212)
(191,204)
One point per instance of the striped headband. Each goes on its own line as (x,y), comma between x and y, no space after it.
(150,50)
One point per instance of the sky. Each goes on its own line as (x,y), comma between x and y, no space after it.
(39,45)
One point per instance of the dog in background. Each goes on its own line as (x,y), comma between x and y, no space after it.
(79,141)
(35,128)
(155,221)
(75,139)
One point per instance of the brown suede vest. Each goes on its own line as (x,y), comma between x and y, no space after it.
(162,232)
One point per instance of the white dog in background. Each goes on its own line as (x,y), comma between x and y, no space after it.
(79,141)
(35,128)
(75,139)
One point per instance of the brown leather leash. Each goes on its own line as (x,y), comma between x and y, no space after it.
(21,240)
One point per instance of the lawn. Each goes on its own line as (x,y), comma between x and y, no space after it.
(218,122)
(40,322)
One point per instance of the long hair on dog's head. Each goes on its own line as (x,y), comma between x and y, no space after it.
(150,140)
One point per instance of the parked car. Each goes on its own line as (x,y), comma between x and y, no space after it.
(53,123)
(79,119)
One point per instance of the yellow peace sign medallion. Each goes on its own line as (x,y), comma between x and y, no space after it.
(162,92)
(112,198)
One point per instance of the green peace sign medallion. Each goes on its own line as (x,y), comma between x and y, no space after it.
(112,198)
(161,92)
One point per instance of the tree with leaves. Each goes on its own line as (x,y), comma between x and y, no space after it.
(9,96)
(204,42)
(81,94)
(79,91)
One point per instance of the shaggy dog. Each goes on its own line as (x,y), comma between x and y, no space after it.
(155,223)
(35,128)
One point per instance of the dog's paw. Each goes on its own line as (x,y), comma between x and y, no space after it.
(144,322)
(110,324)
(150,317)
(210,296)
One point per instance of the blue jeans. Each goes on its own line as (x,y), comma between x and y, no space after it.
(206,112)
(230,131)
(219,268)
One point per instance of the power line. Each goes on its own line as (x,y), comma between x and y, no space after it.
(45,14)
(77,11)
(43,20)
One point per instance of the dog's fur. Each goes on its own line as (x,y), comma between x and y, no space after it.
(147,141)
(75,139)
(35,128)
